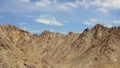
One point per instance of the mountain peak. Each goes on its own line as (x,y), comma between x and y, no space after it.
(8,26)
(45,32)
(99,26)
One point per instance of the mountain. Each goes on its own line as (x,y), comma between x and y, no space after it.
(97,47)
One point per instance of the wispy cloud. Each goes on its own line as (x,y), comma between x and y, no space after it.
(109,23)
(48,20)
(52,30)
(103,5)
(112,4)
(37,6)
(28,5)
(43,3)
(103,10)
(68,5)
(116,21)
(31,30)
(22,23)
(25,0)
(88,23)
(92,21)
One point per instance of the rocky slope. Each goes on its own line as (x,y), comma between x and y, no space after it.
(98,47)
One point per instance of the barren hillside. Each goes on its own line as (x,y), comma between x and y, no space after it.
(97,47)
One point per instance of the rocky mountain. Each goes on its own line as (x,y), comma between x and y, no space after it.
(97,47)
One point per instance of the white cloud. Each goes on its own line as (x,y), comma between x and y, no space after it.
(68,5)
(31,30)
(53,5)
(103,10)
(116,21)
(35,31)
(25,0)
(92,21)
(64,7)
(109,23)
(47,1)
(48,20)
(24,28)
(84,3)
(109,26)
(43,3)
(113,4)
(22,23)
(88,23)
(56,5)
(101,5)
(18,6)
(27,6)
(52,30)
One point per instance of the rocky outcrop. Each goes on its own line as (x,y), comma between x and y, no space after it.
(97,47)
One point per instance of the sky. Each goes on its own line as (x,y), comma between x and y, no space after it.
(61,16)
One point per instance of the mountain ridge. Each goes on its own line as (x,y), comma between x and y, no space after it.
(96,47)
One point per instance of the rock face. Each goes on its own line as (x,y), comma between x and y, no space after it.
(98,47)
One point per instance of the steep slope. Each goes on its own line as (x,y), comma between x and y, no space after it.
(98,47)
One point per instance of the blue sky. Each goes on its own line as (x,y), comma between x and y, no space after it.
(61,16)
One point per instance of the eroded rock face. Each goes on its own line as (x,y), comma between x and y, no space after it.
(98,47)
